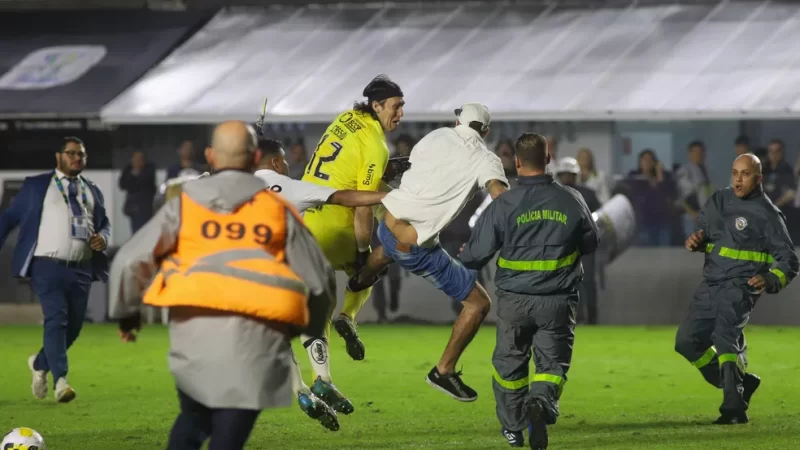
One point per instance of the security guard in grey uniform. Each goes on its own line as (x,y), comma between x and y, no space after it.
(747,251)
(541,229)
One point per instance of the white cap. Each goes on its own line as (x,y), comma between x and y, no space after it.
(474,112)
(568,165)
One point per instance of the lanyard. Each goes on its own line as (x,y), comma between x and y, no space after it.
(64,195)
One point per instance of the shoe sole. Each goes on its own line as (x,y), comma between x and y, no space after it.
(327,418)
(448,393)
(67,396)
(43,394)
(538,439)
(355,348)
(335,403)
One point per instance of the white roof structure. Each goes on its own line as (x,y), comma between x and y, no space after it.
(729,60)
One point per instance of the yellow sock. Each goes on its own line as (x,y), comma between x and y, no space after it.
(353,301)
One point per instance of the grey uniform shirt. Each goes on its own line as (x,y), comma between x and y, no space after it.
(221,361)
(541,229)
(745,237)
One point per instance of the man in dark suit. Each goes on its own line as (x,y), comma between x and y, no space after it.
(61,247)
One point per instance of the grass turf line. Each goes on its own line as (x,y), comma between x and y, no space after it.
(627,389)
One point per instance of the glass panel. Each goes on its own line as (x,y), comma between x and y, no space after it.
(630,28)
(323,61)
(611,91)
(516,17)
(734,12)
(781,47)
(734,92)
(692,96)
(698,46)
(743,50)
(428,48)
(557,93)
(654,91)
(379,50)
(781,91)
(569,42)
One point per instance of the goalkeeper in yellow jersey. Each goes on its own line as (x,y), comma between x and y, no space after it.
(352,154)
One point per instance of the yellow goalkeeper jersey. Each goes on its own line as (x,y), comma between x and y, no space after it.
(352,154)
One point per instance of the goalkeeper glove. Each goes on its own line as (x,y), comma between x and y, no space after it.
(395,168)
(361,258)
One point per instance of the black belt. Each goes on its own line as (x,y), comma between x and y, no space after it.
(84,264)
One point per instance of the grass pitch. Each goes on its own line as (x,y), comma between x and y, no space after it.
(627,390)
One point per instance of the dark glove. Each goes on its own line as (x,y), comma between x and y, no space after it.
(395,167)
(361,259)
(773,283)
(127,325)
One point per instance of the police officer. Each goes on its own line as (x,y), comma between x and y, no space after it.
(541,229)
(567,171)
(234,264)
(747,251)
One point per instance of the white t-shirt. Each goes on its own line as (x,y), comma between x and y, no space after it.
(447,167)
(301,194)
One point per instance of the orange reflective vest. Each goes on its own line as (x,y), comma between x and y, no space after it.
(233,263)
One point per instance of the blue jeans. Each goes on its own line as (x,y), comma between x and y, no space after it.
(432,264)
(64,295)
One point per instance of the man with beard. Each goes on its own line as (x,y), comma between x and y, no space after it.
(64,232)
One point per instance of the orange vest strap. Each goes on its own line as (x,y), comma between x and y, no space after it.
(217,264)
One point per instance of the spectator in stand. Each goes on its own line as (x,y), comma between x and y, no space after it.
(403,145)
(741,145)
(552,146)
(138,180)
(779,182)
(505,150)
(298,158)
(652,191)
(780,185)
(592,178)
(694,185)
(187,164)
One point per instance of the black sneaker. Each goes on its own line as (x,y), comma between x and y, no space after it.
(514,438)
(347,330)
(750,383)
(732,419)
(451,385)
(537,425)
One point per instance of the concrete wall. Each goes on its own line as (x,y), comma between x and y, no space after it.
(644,286)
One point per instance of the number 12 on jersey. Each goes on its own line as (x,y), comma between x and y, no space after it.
(320,160)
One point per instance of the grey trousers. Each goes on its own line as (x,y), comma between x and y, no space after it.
(531,325)
(711,337)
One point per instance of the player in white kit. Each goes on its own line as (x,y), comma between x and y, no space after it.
(323,398)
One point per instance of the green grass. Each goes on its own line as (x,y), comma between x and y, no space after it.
(627,390)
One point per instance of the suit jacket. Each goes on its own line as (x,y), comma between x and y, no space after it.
(26,211)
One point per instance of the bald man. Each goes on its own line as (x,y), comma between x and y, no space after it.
(747,251)
(235,265)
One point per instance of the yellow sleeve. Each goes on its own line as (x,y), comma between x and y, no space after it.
(374,158)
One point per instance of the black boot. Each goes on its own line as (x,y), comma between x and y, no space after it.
(734,406)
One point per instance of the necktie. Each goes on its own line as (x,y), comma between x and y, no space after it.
(72,191)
